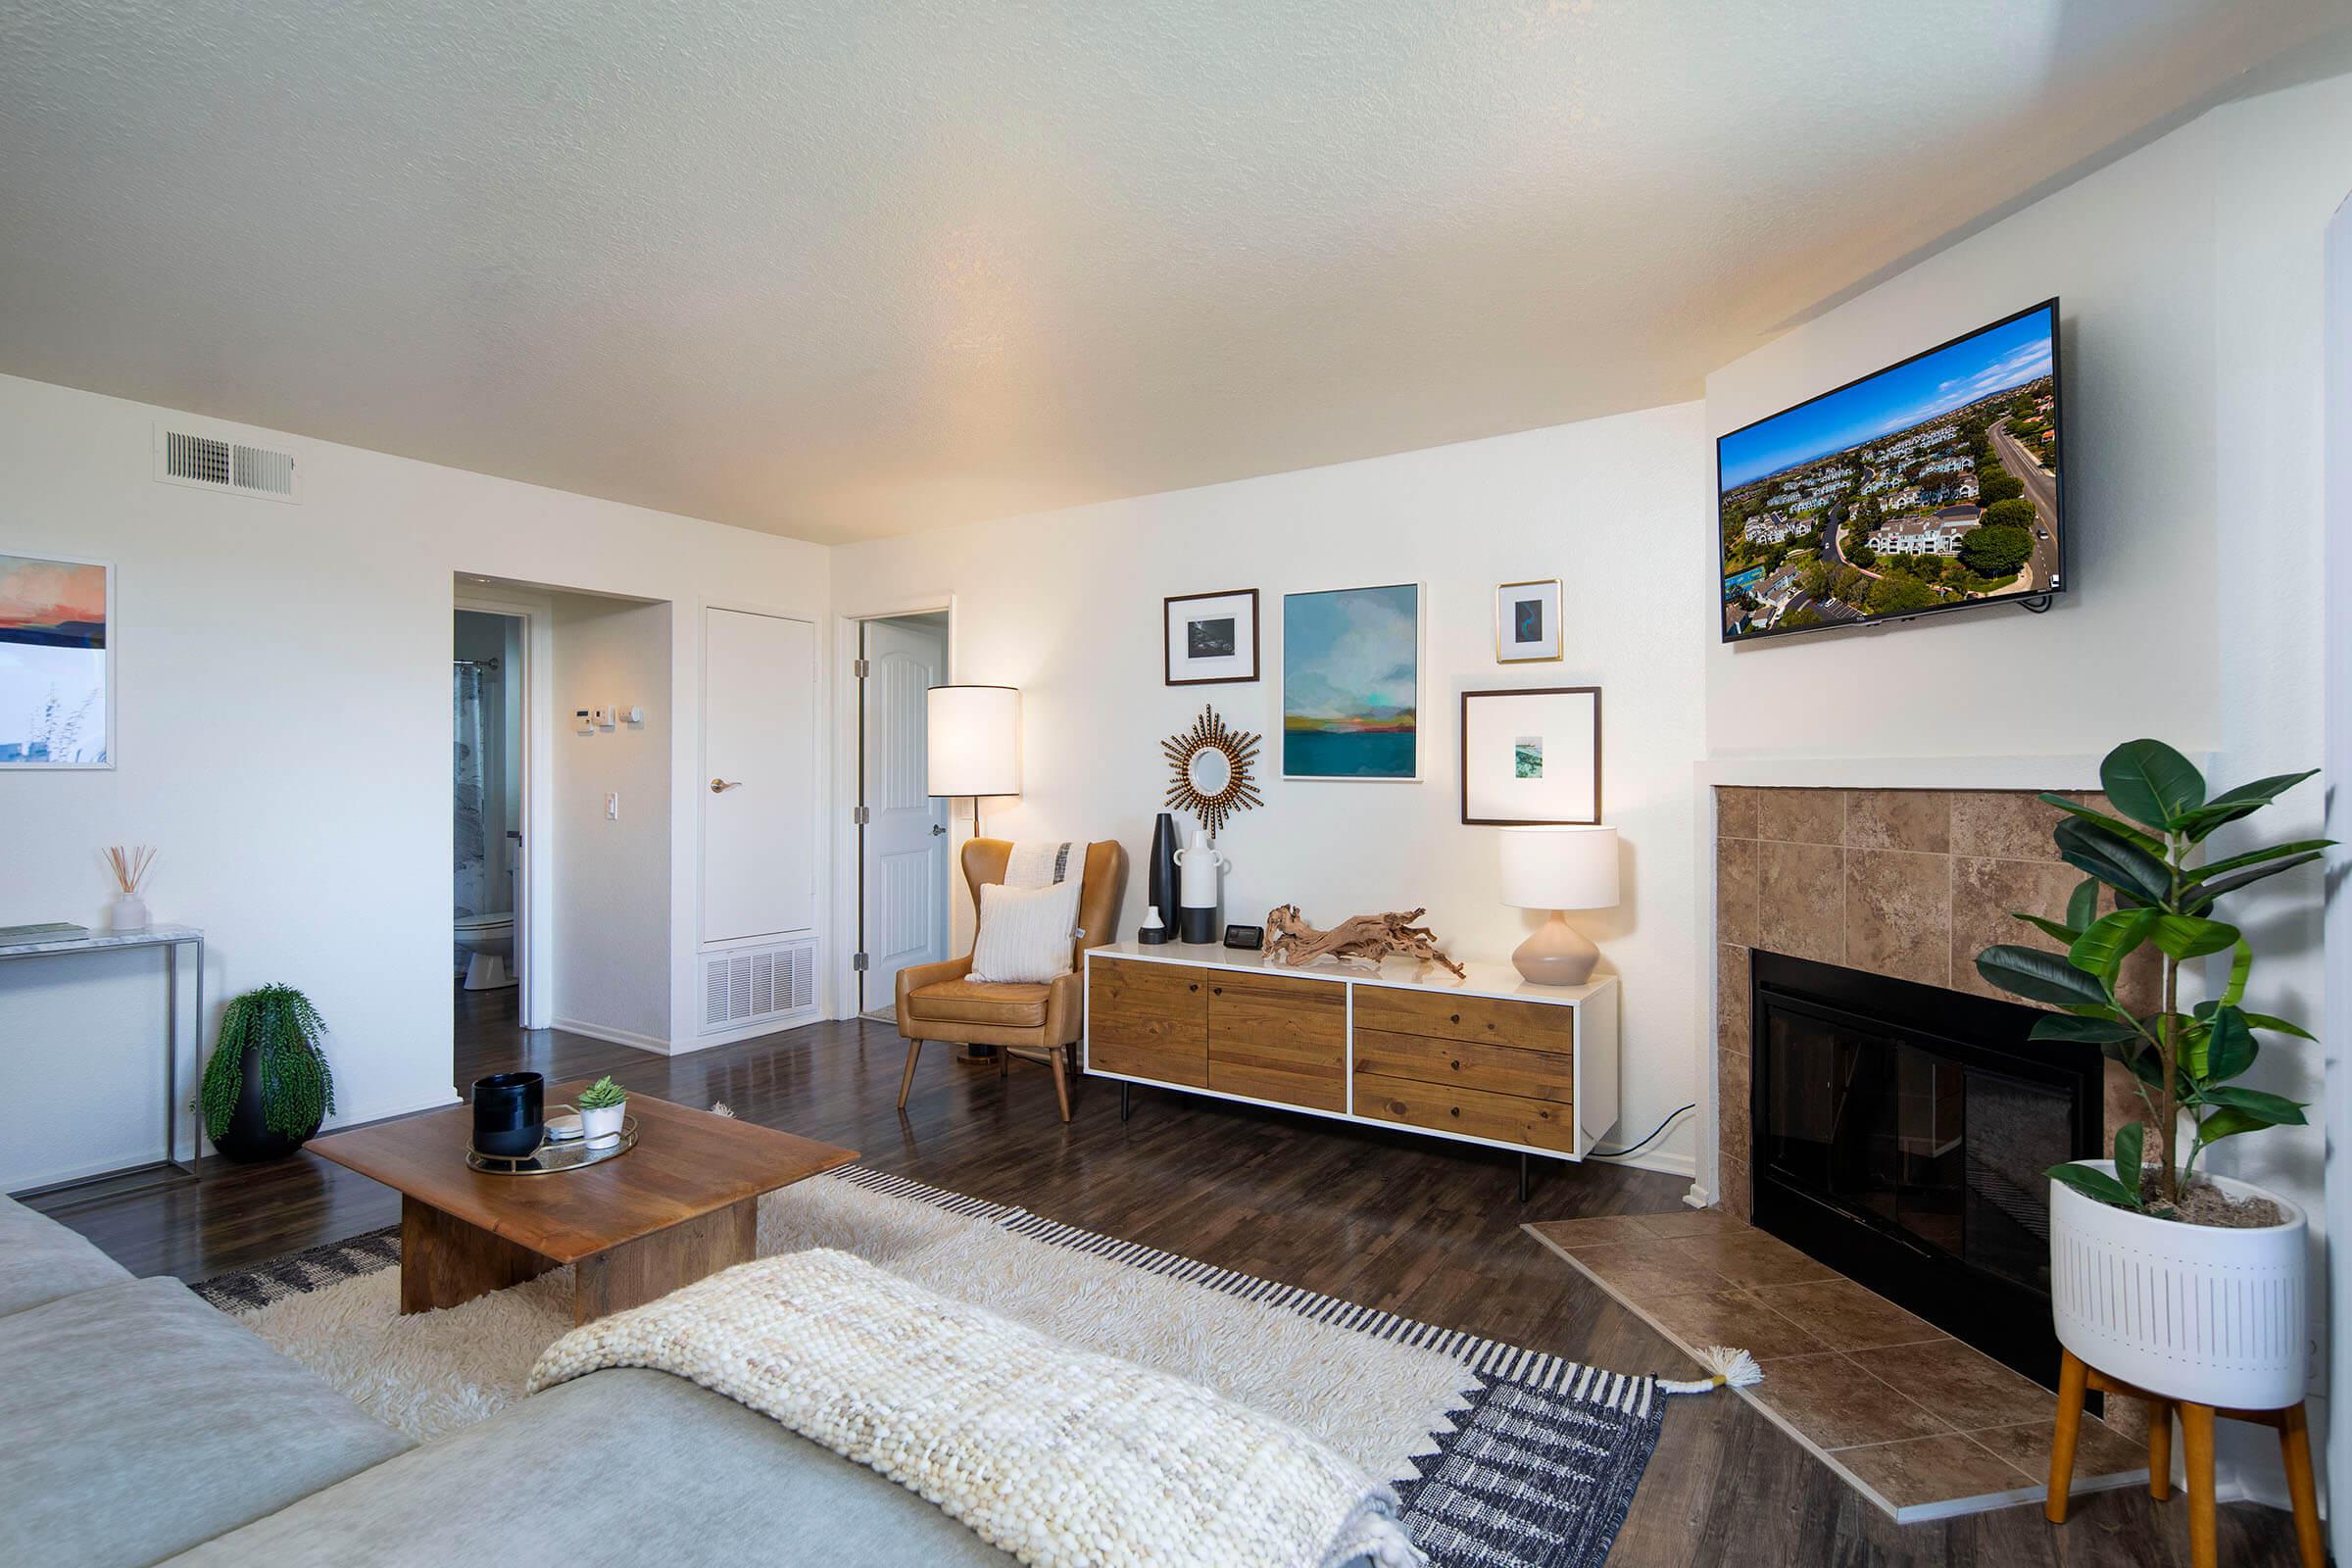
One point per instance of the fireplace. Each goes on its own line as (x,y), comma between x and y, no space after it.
(1899,1135)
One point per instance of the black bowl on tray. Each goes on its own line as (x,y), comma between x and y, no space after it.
(508,1113)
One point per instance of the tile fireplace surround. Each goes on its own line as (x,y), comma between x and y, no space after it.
(1909,883)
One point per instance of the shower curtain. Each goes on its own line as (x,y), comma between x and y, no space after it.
(472,868)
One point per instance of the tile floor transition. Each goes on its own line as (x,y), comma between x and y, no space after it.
(1923,1425)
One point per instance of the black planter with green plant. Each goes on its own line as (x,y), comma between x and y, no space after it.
(267,1086)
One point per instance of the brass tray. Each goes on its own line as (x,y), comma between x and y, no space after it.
(574,1153)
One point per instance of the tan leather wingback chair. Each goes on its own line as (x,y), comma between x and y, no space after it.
(939,1002)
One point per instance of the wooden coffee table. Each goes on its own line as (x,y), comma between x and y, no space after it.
(681,1204)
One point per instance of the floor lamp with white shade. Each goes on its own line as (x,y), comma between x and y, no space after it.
(973,743)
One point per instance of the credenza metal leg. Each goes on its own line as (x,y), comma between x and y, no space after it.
(1524,1182)
(1126,1101)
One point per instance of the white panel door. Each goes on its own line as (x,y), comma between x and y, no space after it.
(758,799)
(905,850)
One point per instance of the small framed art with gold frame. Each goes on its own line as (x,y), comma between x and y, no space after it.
(1527,621)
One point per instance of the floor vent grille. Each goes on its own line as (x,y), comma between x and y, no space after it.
(744,985)
(208,463)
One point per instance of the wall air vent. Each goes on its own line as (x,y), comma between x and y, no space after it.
(209,463)
(750,985)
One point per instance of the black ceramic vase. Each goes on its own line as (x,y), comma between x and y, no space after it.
(248,1138)
(508,1113)
(1162,883)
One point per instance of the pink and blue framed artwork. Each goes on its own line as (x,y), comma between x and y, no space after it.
(56,662)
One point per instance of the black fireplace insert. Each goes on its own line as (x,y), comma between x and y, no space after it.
(1901,1132)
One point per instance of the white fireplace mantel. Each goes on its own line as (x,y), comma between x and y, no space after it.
(2048,773)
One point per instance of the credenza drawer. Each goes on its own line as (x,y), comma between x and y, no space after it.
(1472,1113)
(1271,1037)
(1148,1020)
(1486,1020)
(1497,1070)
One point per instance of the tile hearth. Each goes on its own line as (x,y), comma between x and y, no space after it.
(1923,1425)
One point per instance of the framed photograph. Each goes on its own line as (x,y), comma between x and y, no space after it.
(1210,639)
(56,662)
(1527,621)
(1531,757)
(1352,683)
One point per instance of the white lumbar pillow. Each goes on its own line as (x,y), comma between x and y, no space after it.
(1025,933)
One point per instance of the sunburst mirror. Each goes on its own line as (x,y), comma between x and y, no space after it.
(1209,771)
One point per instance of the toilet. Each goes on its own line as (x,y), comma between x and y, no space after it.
(490,941)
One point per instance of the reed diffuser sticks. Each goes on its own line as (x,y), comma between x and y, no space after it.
(131,865)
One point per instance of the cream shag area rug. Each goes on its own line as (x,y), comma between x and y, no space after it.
(1502,1455)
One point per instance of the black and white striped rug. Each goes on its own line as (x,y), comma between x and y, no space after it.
(1536,1469)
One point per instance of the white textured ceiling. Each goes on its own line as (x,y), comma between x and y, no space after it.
(842,269)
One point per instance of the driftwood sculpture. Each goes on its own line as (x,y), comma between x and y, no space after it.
(1363,939)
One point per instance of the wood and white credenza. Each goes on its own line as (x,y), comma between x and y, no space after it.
(1488,1060)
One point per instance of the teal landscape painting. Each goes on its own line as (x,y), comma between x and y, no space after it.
(1350,683)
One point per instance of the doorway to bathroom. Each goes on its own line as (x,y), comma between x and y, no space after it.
(489,778)
(901,829)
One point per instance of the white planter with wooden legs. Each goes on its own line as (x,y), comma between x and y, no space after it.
(2200,1321)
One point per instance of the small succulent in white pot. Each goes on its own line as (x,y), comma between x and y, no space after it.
(602,1104)
(2186,1284)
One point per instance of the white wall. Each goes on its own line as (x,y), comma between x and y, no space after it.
(2190,278)
(2335,1024)
(282,733)
(1066,606)
(608,902)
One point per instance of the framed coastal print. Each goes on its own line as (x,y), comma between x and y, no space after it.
(56,662)
(1531,757)
(1352,683)
(1210,639)
(1527,621)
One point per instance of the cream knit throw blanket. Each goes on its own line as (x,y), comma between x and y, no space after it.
(1060,1456)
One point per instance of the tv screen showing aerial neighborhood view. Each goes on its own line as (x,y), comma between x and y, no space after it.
(1931,485)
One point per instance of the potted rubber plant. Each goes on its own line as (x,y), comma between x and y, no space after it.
(2185,1283)
(603,1105)
(267,1086)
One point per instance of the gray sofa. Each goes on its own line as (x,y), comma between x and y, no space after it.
(143,1426)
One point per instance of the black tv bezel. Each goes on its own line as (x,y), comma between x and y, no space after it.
(2057,480)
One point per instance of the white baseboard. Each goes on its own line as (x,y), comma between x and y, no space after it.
(750,1031)
(617,1037)
(1664,1162)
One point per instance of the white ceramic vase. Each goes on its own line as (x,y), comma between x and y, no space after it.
(2195,1312)
(599,1123)
(128,913)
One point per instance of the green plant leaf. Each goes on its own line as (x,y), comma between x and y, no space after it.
(2115,825)
(2041,976)
(2049,928)
(2094,1184)
(2151,783)
(2127,1140)
(2241,966)
(2120,864)
(2102,948)
(2277,1026)
(2228,1123)
(2232,804)
(2082,906)
(2202,897)
(2206,874)
(2095,1031)
(2229,1047)
(2185,937)
(2276,1110)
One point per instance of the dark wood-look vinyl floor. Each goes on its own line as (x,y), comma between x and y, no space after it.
(1398,1223)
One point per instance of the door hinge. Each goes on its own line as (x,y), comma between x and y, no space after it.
(857,962)
(861,670)
(860,815)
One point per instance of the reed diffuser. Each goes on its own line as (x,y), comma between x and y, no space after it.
(130,865)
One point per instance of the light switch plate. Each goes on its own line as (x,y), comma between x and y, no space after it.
(612,807)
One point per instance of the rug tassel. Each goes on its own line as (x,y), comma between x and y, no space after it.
(1736,1368)
(719,1108)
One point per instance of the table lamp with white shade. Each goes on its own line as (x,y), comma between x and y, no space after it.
(1558,869)
(973,736)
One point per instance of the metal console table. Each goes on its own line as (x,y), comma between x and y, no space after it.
(172,939)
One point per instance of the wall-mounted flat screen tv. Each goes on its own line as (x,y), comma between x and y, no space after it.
(1931,485)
